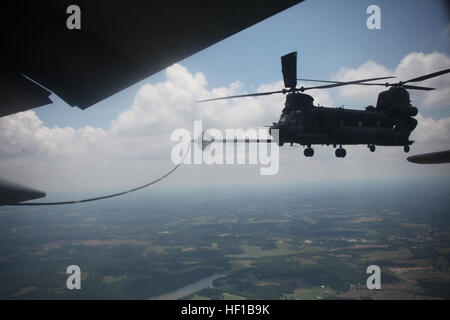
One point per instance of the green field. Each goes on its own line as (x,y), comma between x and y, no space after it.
(295,245)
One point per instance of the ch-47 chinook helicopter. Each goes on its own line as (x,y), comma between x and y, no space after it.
(390,123)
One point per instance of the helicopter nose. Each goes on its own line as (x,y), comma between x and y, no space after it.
(272,127)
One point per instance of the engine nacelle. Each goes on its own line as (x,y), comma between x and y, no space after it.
(412,111)
(403,111)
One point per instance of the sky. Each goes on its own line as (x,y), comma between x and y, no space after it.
(124,140)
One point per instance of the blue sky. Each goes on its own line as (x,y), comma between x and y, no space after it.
(327,34)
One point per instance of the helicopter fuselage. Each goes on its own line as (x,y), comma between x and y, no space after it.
(303,123)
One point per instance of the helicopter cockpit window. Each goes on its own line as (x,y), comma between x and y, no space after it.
(284,118)
(291,117)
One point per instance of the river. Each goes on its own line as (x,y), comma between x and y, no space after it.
(190,288)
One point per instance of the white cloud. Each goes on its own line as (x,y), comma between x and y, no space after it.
(24,134)
(136,146)
(321,97)
(413,65)
(369,69)
(433,132)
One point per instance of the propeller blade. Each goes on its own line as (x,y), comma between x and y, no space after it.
(345,82)
(320,87)
(395,84)
(428,76)
(245,95)
(324,81)
(289,69)
(417,87)
(338,84)
(386,84)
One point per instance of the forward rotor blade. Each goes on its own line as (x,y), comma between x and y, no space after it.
(324,81)
(289,69)
(428,76)
(245,95)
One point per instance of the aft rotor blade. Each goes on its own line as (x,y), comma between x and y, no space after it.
(345,82)
(417,87)
(387,84)
(338,84)
(245,95)
(428,76)
(394,84)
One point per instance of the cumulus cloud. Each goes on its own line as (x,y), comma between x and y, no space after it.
(434,132)
(136,146)
(413,65)
(24,134)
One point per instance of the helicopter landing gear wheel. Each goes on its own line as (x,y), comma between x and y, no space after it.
(406,148)
(371,147)
(338,153)
(341,153)
(309,152)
